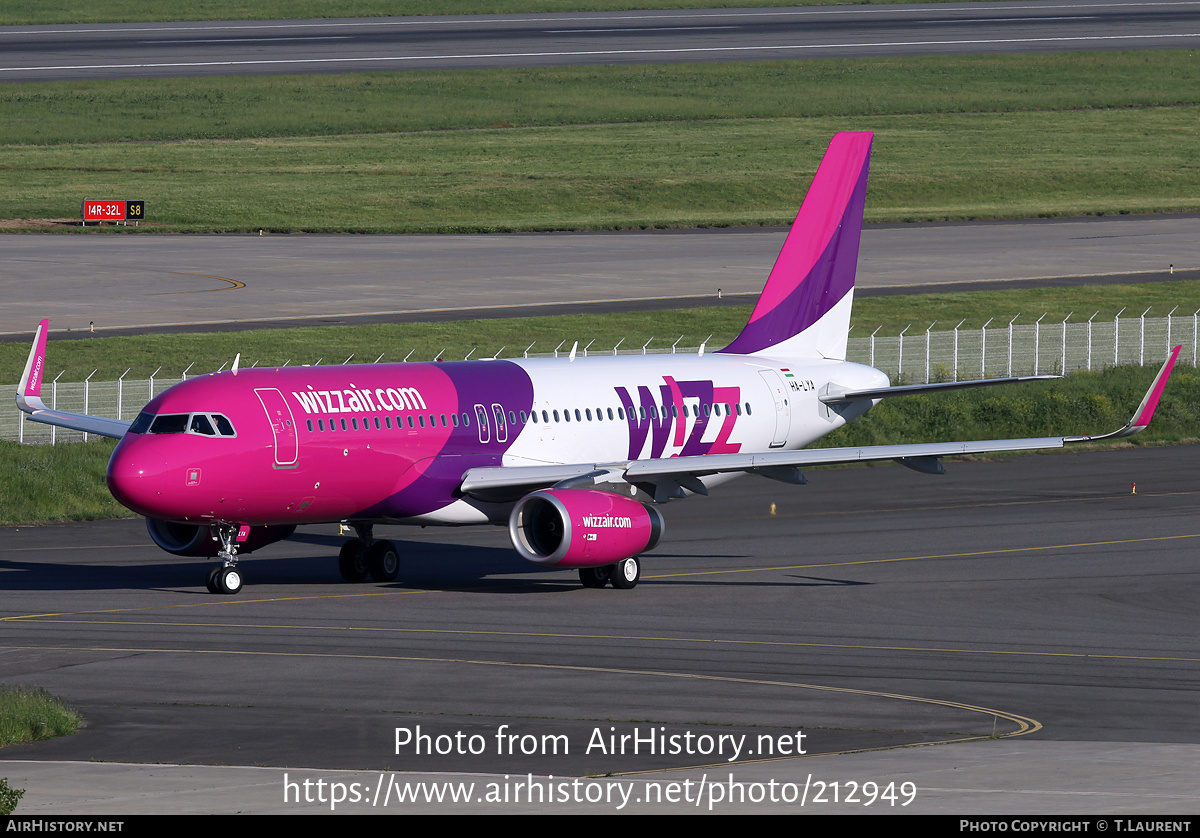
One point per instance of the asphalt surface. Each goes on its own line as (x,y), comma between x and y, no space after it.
(125,284)
(1037,598)
(219,48)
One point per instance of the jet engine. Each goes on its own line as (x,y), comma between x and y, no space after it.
(582,528)
(197,540)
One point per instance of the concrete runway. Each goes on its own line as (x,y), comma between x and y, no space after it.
(415,43)
(150,282)
(1037,598)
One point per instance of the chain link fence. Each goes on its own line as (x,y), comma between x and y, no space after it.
(907,358)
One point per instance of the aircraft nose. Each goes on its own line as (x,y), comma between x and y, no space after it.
(134,483)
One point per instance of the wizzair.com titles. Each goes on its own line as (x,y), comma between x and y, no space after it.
(602,521)
(350,400)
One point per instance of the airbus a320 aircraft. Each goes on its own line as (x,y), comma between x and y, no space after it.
(574,454)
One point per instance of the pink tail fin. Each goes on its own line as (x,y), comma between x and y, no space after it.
(804,310)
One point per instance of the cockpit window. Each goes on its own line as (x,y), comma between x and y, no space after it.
(170,423)
(205,424)
(142,423)
(201,424)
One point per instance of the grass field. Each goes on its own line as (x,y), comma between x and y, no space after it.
(615,147)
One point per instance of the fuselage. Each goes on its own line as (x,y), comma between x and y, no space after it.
(391,442)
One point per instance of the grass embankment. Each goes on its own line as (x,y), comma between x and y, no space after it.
(55,483)
(110,357)
(611,147)
(29,714)
(116,11)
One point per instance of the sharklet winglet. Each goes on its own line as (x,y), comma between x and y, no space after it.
(29,396)
(29,390)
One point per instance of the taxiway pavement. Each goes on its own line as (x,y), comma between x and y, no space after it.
(876,606)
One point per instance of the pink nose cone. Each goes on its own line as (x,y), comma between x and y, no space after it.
(134,485)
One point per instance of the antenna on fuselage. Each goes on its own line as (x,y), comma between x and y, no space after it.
(237,359)
(574,348)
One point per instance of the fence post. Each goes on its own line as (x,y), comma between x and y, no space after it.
(644,345)
(927,328)
(618,343)
(1142,340)
(1037,342)
(151,395)
(54,405)
(1063,369)
(900,359)
(87,385)
(983,349)
(877,328)
(960,322)
(1010,343)
(1117,337)
(525,354)
(1089,355)
(121,393)
(1171,312)
(676,343)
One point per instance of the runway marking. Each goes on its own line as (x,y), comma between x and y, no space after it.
(950,650)
(932,556)
(233,285)
(1024,723)
(606,52)
(255,40)
(987,505)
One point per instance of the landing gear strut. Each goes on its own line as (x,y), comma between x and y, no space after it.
(225,578)
(364,556)
(623,575)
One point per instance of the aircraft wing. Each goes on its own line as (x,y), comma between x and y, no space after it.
(669,477)
(29,397)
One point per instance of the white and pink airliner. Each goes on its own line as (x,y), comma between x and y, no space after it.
(574,454)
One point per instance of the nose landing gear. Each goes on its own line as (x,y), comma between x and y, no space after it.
(225,578)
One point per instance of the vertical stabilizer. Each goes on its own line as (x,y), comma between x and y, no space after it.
(804,309)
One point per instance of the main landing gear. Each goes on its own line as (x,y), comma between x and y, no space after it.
(623,575)
(225,578)
(364,556)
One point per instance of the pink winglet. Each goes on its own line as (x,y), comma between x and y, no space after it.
(1145,411)
(35,367)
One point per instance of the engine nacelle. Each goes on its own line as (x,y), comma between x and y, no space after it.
(197,540)
(582,527)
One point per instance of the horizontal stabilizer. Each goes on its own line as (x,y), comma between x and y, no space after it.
(915,389)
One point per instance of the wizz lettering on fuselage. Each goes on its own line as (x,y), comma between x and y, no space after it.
(657,419)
